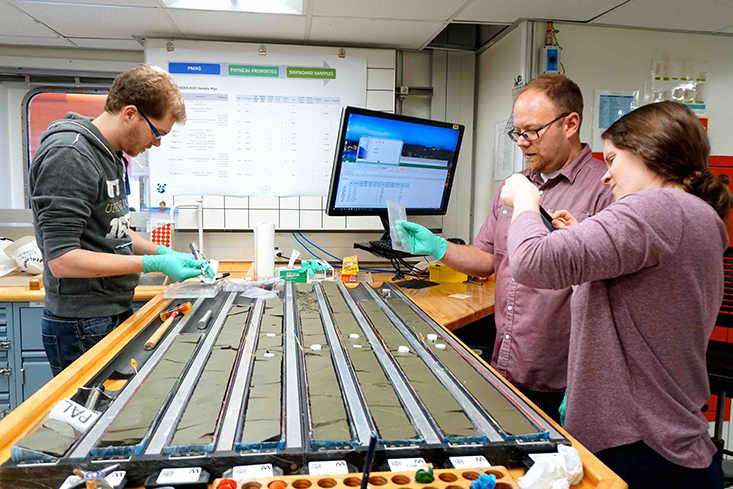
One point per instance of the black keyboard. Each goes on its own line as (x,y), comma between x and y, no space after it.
(382,244)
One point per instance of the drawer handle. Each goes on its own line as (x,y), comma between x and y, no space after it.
(6,372)
(4,344)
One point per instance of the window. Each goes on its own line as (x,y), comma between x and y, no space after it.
(44,107)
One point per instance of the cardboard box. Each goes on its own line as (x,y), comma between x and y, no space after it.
(297,275)
(349,269)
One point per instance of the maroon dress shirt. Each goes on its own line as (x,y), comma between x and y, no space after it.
(651,273)
(533,325)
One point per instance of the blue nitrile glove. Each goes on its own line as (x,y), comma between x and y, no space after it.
(164,250)
(421,240)
(563,408)
(312,265)
(176,266)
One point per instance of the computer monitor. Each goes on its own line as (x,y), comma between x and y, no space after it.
(381,156)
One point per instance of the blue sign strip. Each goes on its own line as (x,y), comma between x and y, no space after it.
(194,68)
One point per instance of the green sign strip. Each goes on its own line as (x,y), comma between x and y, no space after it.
(254,70)
(306,72)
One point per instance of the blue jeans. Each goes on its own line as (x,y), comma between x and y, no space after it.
(66,339)
(641,468)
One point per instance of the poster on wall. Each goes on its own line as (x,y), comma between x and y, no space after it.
(256,125)
(608,107)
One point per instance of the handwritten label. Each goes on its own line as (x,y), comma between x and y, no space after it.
(405,464)
(179,476)
(74,414)
(330,467)
(114,479)
(470,462)
(252,471)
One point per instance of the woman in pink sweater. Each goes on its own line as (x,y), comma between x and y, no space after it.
(649,270)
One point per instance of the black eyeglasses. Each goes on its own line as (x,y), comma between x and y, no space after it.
(532,134)
(157,133)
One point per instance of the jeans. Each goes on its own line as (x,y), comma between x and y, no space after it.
(66,339)
(642,468)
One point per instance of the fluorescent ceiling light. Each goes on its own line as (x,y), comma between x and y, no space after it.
(257,6)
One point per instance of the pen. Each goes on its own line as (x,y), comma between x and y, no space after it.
(197,255)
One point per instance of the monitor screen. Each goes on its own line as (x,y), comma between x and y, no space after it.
(381,156)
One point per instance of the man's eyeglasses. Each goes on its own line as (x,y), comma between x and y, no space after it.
(533,134)
(157,133)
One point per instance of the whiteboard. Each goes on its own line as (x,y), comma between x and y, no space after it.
(257,125)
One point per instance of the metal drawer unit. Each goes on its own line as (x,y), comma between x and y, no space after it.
(31,370)
(7,356)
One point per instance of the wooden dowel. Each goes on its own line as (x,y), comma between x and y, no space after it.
(155,338)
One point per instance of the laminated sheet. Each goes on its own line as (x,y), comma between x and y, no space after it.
(134,421)
(263,415)
(503,411)
(384,406)
(198,423)
(328,414)
(440,403)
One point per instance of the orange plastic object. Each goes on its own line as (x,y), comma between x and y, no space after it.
(182,309)
(227,484)
(444,479)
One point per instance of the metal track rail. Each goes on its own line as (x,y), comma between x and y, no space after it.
(180,401)
(352,394)
(96,432)
(480,367)
(469,406)
(423,425)
(230,425)
(293,428)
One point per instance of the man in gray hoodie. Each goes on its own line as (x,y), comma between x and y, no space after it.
(78,188)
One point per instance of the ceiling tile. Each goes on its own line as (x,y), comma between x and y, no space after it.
(35,41)
(372,32)
(507,11)
(388,9)
(73,20)
(13,22)
(124,44)
(701,15)
(199,24)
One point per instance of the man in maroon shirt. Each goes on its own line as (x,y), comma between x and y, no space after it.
(532,325)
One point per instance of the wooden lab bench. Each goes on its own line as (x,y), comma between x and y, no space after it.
(449,312)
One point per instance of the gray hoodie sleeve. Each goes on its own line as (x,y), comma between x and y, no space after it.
(66,187)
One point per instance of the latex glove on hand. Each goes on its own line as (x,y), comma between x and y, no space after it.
(164,250)
(421,240)
(518,187)
(177,266)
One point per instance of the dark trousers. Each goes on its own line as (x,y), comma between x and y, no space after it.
(643,468)
(548,402)
(66,339)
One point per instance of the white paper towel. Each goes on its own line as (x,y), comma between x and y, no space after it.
(265,249)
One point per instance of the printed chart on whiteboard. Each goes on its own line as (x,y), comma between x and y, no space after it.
(256,129)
